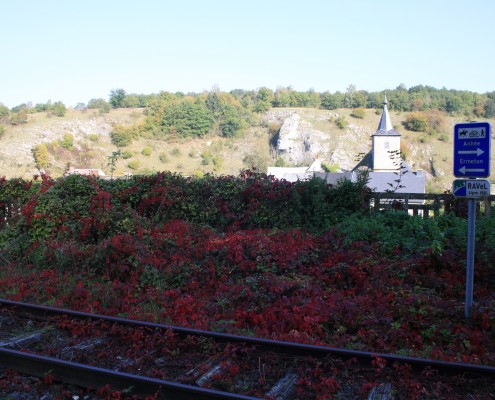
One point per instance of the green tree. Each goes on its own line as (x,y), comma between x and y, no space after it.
(453,104)
(58,109)
(264,99)
(20,117)
(349,96)
(231,121)
(20,107)
(117,98)
(399,100)
(213,103)
(188,118)
(489,108)
(131,101)
(43,107)
(112,161)
(332,101)
(285,97)
(359,99)
(99,104)
(4,112)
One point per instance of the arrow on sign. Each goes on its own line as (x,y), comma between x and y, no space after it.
(463,170)
(478,152)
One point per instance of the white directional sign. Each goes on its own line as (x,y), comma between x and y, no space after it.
(471,188)
(472,150)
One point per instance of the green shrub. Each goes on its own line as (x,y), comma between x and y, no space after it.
(19,118)
(146,151)
(205,158)
(256,161)
(175,152)
(126,154)
(93,137)
(134,164)
(341,122)
(391,230)
(416,121)
(327,167)
(123,135)
(217,161)
(67,142)
(2,130)
(280,162)
(163,158)
(358,113)
(40,155)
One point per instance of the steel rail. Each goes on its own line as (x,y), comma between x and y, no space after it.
(362,357)
(95,377)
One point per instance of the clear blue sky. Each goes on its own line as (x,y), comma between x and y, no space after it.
(73,51)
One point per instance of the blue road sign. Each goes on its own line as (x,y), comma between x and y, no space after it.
(471,188)
(472,150)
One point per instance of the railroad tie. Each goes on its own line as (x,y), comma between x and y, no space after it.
(24,339)
(68,352)
(285,388)
(382,392)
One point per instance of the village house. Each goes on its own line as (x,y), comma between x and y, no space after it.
(86,171)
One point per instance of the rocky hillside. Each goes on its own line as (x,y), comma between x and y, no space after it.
(290,137)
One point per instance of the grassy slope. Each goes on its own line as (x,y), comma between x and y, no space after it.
(185,156)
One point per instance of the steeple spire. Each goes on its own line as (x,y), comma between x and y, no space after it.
(385,122)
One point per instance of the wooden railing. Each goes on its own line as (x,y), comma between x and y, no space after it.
(428,204)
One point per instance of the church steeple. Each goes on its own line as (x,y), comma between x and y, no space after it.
(385,122)
(385,145)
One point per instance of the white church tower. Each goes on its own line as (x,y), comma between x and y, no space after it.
(385,145)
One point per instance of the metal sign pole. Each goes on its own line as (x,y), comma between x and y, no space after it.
(470,257)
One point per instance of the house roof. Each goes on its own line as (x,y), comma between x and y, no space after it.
(409,182)
(406,182)
(333,178)
(385,127)
(85,171)
(291,174)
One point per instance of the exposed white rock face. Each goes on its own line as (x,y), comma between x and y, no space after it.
(290,142)
(300,143)
(341,158)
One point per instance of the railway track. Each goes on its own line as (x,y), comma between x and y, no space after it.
(166,362)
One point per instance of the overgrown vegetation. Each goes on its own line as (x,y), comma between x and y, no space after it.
(302,261)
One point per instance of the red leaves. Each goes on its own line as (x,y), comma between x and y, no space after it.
(378,362)
(48,379)
(141,248)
